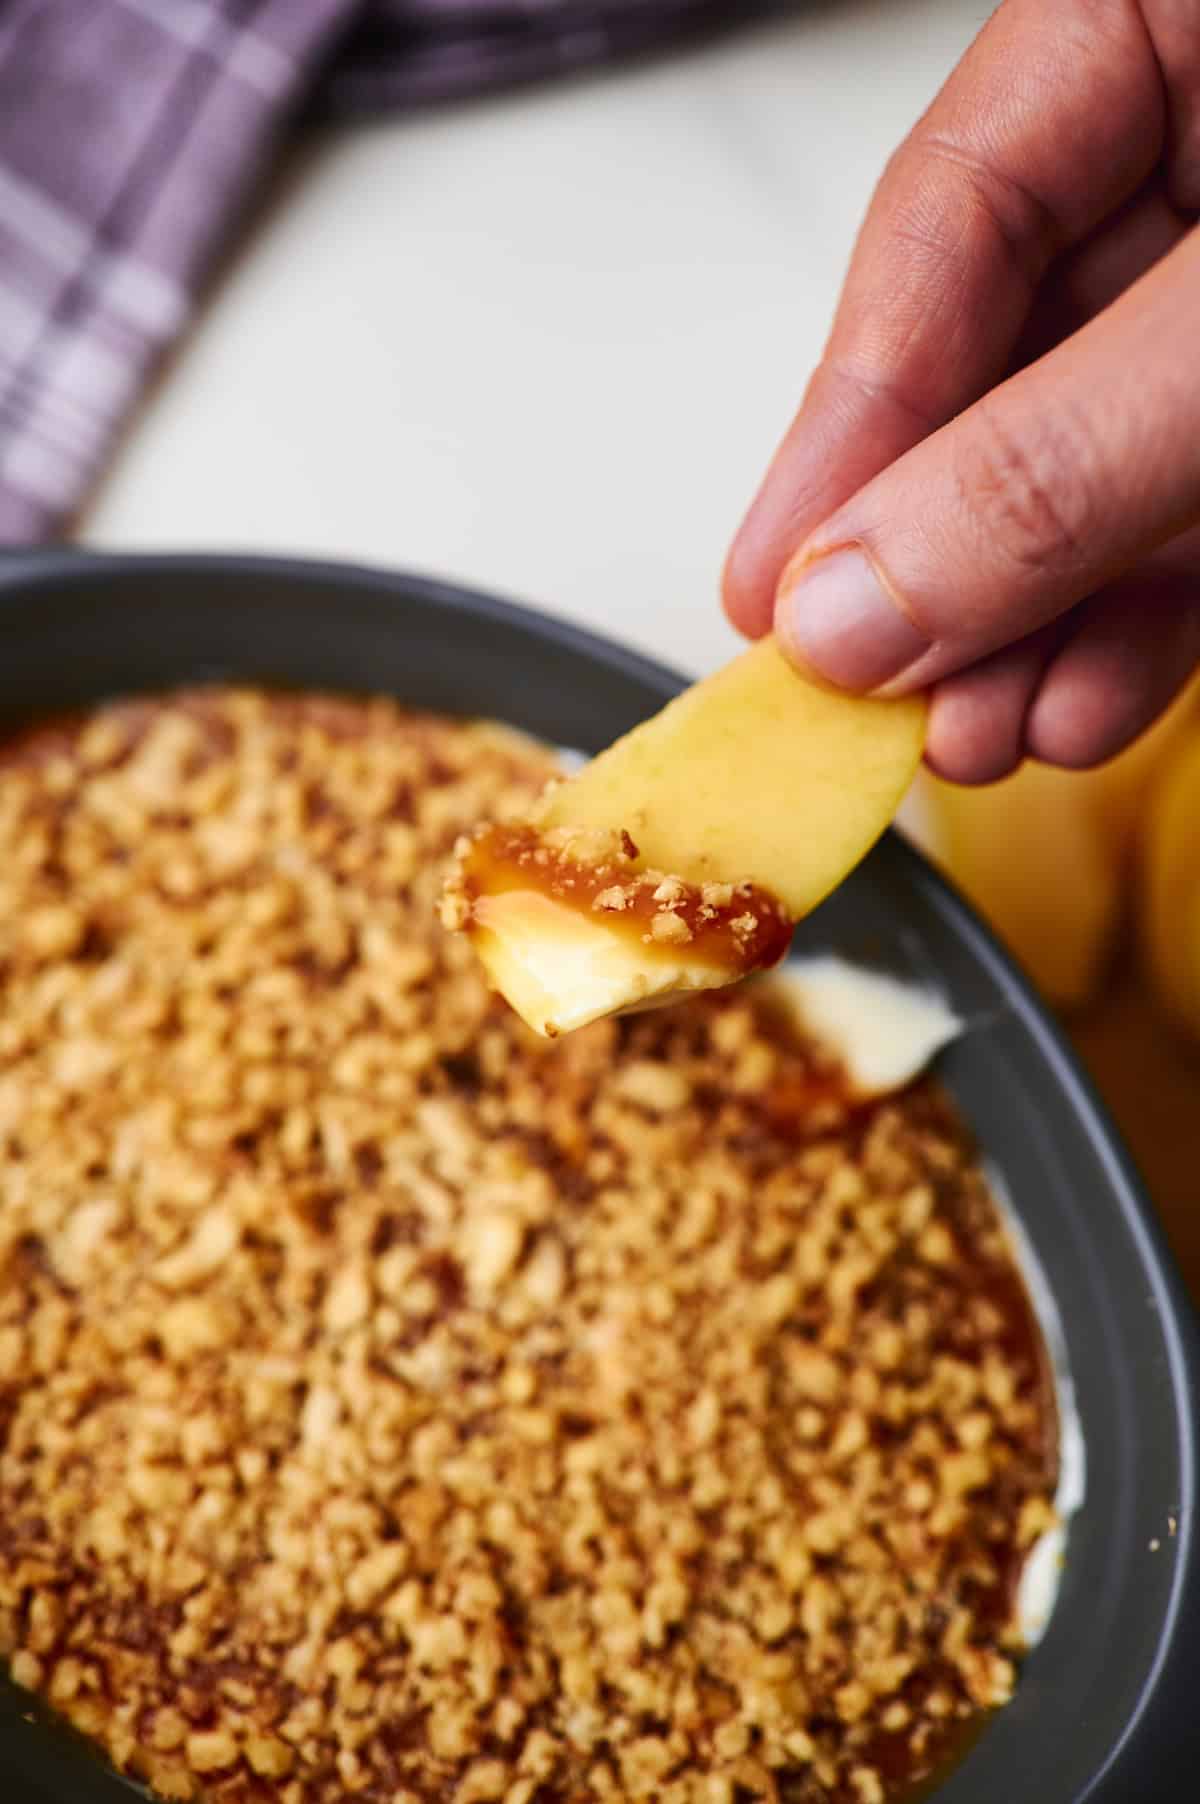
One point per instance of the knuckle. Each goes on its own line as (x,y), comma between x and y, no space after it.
(1071,727)
(874,382)
(1030,489)
(959,194)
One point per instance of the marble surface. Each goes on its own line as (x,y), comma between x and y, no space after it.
(543,343)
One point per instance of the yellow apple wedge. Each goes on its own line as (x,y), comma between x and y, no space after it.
(753,774)
(1033,856)
(1123,785)
(753,778)
(1046,855)
(1169,902)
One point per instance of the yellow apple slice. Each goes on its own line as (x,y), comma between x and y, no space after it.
(1046,855)
(1033,856)
(1123,785)
(681,855)
(754,774)
(560,968)
(1169,914)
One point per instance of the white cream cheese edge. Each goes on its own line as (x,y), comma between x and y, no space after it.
(846,1006)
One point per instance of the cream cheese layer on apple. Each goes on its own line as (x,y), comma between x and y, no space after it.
(679,859)
(570,926)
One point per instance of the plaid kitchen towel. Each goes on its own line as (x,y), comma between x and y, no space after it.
(132,130)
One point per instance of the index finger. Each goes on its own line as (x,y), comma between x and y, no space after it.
(1052,119)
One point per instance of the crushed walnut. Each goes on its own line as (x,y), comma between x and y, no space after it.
(396,1407)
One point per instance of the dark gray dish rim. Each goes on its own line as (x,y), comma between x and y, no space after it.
(1106,1707)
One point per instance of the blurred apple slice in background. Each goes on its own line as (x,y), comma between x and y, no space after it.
(1169,899)
(1032,856)
(1047,855)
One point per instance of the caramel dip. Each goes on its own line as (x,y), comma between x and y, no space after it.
(398,1406)
(569,927)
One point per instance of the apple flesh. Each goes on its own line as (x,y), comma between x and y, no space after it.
(753,775)
(1033,856)
(560,968)
(1169,911)
(1049,856)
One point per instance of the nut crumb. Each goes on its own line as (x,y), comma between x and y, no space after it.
(395,1407)
(669,929)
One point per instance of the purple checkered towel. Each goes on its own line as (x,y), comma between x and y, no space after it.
(132,130)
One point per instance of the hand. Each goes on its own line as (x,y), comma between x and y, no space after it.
(993,486)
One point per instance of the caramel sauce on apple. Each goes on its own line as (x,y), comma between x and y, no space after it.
(730,928)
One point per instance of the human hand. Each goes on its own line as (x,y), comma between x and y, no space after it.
(992,488)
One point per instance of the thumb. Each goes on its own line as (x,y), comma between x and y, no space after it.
(1052,485)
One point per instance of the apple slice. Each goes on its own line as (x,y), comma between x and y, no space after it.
(995,843)
(1169,902)
(679,858)
(753,774)
(1125,783)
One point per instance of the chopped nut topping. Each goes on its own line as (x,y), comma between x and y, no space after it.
(394,1406)
(612,900)
(730,929)
(670,929)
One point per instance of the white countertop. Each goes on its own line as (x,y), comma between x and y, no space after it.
(543,344)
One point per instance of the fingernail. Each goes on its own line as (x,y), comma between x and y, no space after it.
(834,615)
